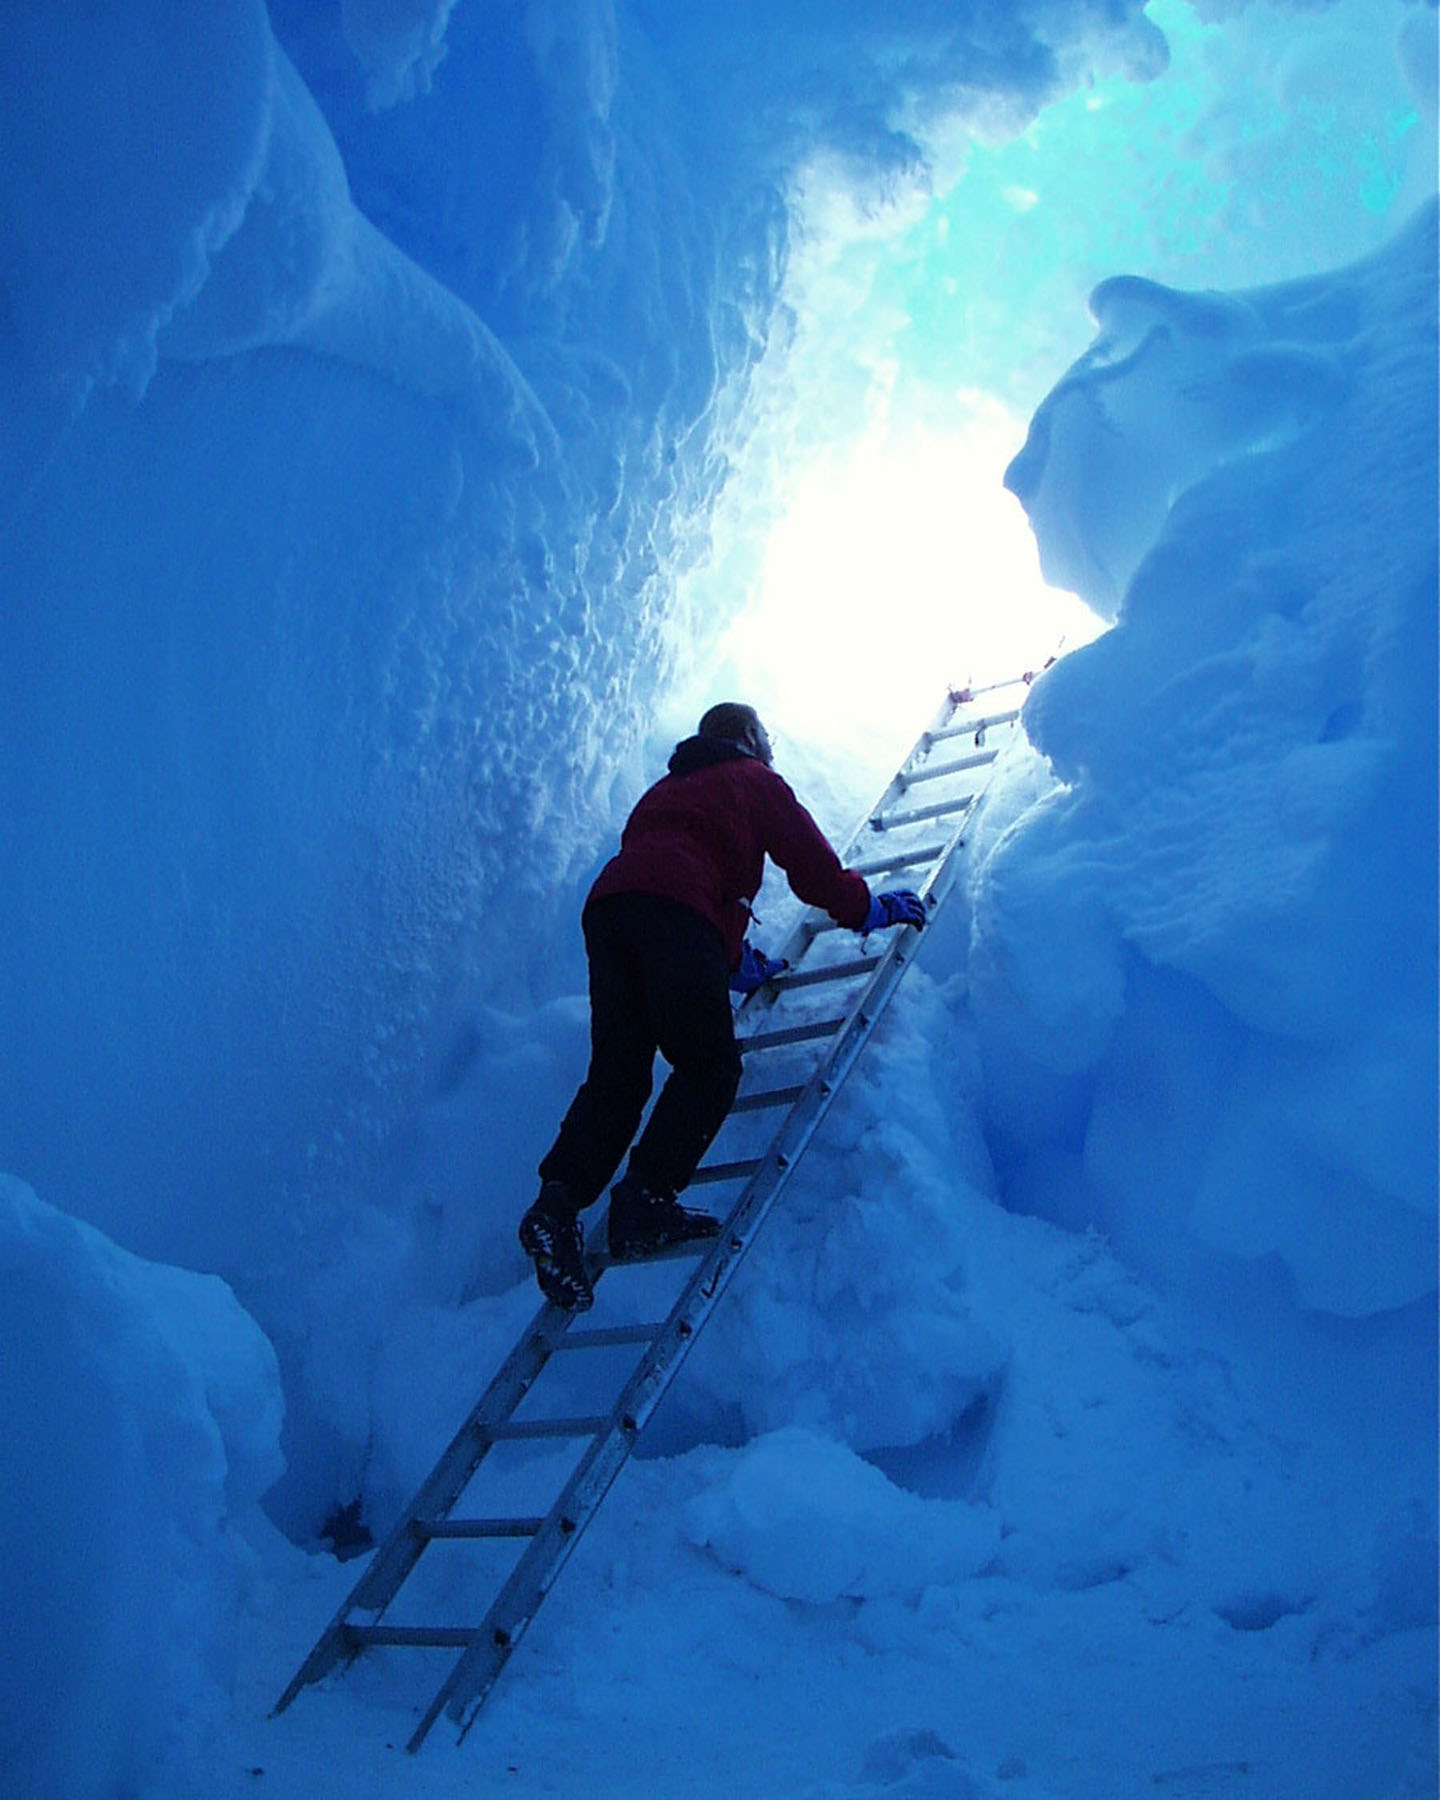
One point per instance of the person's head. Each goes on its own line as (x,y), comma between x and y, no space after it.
(737,724)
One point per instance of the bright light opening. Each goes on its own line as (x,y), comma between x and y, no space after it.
(866,551)
(900,565)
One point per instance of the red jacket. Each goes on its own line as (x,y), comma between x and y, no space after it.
(701,836)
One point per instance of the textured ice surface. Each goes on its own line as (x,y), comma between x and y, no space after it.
(1223,919)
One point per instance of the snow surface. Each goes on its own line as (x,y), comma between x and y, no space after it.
(371,371)
(1258,734)
(142,1408)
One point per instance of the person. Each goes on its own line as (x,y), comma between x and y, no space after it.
(664,927)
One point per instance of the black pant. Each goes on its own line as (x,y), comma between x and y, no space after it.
(659,980)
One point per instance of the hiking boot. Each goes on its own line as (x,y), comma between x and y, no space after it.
(552,1237)
(642,1223)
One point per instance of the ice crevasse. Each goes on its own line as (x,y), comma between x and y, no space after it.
(1201,954)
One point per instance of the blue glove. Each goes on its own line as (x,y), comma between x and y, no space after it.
(755,970)
(901,907)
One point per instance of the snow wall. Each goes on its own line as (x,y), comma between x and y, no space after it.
(1211,951)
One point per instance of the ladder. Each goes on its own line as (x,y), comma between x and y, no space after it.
(918,824)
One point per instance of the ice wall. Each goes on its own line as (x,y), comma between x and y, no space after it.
(368,370)
(1204,964)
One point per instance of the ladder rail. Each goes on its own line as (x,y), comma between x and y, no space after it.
(456,1467)
(486,1648)
(510,1615)
(943,722)
(514,1608)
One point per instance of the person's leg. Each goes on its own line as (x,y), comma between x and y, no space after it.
(606,1112)
(688,1003)
(603,1116)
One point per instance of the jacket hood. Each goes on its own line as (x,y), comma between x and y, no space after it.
(703,753)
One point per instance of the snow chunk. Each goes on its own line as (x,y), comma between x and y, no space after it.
(121,246)
(142,1418)
(806,1519)
(1174,386)
(304,267)
(917,1764)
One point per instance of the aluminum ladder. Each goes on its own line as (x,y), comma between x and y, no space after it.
(791,1017)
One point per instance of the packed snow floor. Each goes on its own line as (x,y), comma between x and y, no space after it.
(653,1671)
(1187,1597)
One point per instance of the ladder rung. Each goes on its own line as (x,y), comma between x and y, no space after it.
(600,1337)
(781,1096)
(885,865)
(974,725)
(843,971)
(728,1171)
(543,1428)
(977,761)
(792,1034)
(476,1528)
(941,809)
(691,1247)
(966,695)
(411,1637)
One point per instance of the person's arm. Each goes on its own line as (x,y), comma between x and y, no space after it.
(814,871)
(819,878)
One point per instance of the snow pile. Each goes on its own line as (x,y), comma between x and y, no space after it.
(1208,958)
(142,1419)
(983,1359)
(805,1518)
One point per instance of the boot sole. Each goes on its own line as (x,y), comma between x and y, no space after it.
(560,1291)
(558,1288)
